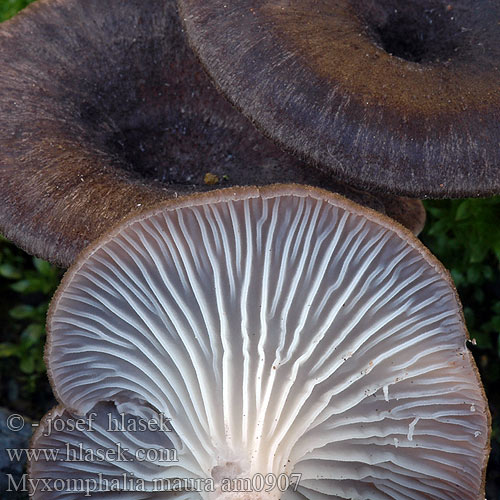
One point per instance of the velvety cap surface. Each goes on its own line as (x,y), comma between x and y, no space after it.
(391,95)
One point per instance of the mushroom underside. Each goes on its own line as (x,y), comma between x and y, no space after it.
(282,332)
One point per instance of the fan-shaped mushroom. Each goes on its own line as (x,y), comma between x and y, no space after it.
(392,95)
(105,110)
(283,330)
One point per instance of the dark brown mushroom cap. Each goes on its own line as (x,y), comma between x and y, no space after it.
(391,95)
(105,110)
(407,211)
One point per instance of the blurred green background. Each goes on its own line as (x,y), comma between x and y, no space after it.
(9,7)
(463,234)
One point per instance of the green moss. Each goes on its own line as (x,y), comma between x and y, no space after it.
(465,236)
(10,7)
(26,286)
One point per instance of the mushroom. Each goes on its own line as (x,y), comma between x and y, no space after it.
(105,111)
(287,332)
(390,95)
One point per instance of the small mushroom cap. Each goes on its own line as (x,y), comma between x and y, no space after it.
(392,95)
(283,330)
(105,111)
